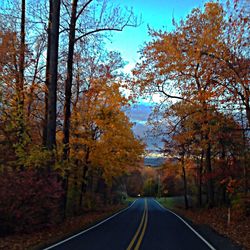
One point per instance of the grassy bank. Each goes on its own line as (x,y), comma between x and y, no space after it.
(172,202)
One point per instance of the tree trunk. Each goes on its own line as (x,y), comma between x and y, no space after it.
(45,122)
(53,62)
(68,82)
(248,110)
(83,185)
(208,162)
(84,180)
(245,161)
(184,181)
(22,56)
(224,168)
(65,197)
(210,181)
(77,91)
(20,84)
(75,191)
(200,180)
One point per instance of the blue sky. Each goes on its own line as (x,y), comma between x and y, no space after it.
(156,14)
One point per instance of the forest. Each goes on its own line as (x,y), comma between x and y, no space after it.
(66,143)
(64,137)
(201,69)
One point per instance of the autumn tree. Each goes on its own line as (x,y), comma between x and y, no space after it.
(134,183)
(109,20)
(41,74)
(171,178)
(8,92)
(181,65)
(182,129)
(232,56)
(13,49)
(101,134)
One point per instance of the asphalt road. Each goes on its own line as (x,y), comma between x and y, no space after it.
(145,225)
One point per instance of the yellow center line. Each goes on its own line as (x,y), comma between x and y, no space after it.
(143,230)
(139,228)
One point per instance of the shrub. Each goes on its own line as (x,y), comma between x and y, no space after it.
(29,200)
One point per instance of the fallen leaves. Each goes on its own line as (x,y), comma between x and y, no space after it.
(238,230)
(48,236)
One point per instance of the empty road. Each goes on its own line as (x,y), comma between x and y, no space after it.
(145,225)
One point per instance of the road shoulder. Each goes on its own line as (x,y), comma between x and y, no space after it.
(219,241)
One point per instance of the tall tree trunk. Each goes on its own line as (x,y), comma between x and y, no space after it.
(77,91)
(75,203)
(20,86)
(84,179)
(22,55)
(53,62)
(184,181)
(245,161)
(45,122)
(200,179)
(208,163)
(209,171)
(247,101)
(68,82)
(83,185)
(65,197)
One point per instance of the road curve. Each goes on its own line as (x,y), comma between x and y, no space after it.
(145,225)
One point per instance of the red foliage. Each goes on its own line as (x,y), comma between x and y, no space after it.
(29,200)
(224,170)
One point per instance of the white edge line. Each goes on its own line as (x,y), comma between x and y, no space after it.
(205,241)
(88,229)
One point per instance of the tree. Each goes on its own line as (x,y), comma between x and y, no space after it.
(20,87)
(134,183)
(112,21)
(185,142)
(183,65)
(177,62)
(12,67)
(232,56)
(53,40)
(102,142)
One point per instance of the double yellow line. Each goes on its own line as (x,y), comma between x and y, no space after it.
(140,230)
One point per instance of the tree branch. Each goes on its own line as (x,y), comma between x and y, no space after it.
(100,30)
(161,90)
(83,8)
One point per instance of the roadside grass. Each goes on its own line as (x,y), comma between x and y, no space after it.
(129,200)
(172,202)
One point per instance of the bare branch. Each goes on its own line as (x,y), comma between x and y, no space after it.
(161,90)
(83,8)
(100,30)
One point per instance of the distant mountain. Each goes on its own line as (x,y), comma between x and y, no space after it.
(154,161)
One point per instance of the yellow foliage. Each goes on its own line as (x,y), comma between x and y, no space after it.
(101,134)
